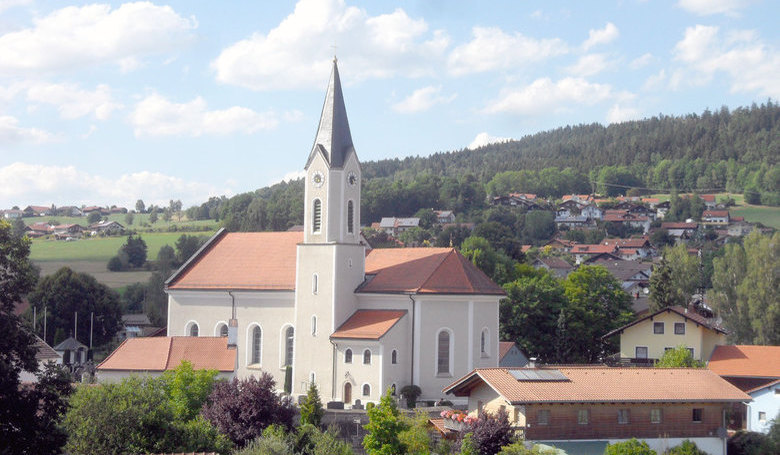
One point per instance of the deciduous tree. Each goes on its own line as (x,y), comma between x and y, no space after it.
(384,426)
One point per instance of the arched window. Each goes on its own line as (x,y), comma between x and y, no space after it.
(392,390)
(257,342)
(443,340)
(394,356)
(350,217)
(348,356)
(366,390)
(194,329)
(315,283)
(313,325)
(222,330)
(316,216)
(483,343)
(289,338)
(367,357)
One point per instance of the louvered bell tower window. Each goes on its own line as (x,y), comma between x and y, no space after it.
(350,217)
(317,216)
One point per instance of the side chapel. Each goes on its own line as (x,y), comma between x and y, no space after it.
(354,320)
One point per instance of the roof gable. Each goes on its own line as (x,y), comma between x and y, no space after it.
(690,315)
(424,271)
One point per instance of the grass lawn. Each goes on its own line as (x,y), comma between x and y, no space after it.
(114,280)
(768,216)
(99,248)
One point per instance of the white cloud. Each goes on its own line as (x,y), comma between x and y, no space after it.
(73,37)
(8,4)
(12,133)
(422,100)
(642,61)
(707,7)
(156,116)
(588,65)
(73,102)
(655,81)
(483,139)
(492,49)
(293,55)
(66,185)
(602,36)
(544,95)
(749,64)
(618,114)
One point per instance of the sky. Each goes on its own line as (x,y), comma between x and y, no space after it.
(107,103)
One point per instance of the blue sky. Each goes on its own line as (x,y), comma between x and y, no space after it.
(106,103)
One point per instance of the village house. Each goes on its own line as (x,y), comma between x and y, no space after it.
(12,214)
(557,266)
(106,228)
(576,407)
(445,216)
(43,355)
(715,217)
(680,230)
(524,200)
(395,226)
(37,210)
(641,246)
(647,338)
(582,252)
(626,218)
(355,323)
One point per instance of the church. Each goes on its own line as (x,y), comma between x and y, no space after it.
(355,321)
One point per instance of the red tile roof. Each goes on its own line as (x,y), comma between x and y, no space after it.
(243,260)
(166,353)
(592,249)
(715,213)
(707,197)
(605,385)
(368,324)
(266,261)
(744,360)
(425,271)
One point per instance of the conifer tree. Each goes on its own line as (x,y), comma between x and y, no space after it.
(311,408)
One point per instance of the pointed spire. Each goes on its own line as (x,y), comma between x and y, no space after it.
(333,134)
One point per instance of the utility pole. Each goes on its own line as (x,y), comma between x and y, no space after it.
(91,322)
(44,323)
(76,325)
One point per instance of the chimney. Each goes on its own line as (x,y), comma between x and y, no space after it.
(531,362)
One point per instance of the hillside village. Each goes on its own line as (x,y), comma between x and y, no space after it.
(327,327)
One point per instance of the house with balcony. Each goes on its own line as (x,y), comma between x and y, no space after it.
(647,338)
(576,407)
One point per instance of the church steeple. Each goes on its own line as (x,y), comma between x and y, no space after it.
(333,138)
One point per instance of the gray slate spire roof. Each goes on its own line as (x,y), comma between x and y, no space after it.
(333,136)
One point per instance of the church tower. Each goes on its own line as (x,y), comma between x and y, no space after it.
(331,259)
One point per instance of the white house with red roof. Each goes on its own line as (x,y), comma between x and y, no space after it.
(353,321)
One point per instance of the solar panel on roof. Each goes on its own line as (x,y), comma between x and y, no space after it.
(538,375)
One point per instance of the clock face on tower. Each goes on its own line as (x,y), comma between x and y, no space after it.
(317,179)
(351,178)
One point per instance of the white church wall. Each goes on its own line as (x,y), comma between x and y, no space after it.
(271,310)
(399,338)
(358,373)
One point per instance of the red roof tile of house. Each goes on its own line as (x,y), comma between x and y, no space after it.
(715,213)
(592,249)
(634,242)
(605,385)
(745,360)
(622,217)
(425,271)
(650,200)
(707,197)
(737,218)
(166,353)
(243,260)
(368,324)
(525,248)
(503,348)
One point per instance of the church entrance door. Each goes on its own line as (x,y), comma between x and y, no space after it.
(347,393)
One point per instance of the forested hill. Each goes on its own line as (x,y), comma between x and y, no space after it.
(734,151)
(747,135)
